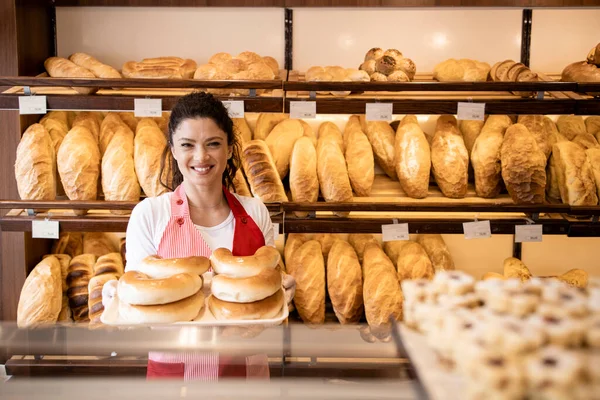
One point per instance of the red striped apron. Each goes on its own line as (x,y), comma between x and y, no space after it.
(182,239)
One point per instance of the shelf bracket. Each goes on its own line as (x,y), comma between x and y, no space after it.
(27,90)
(252,92)
(312,95)
(540,95)
(30,212)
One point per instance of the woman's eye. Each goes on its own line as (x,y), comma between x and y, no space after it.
(186,145)
(214,144)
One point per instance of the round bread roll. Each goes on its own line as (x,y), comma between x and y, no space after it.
(261,71)
(220,76)
(395,54)
(593,56)
(249,57)
(385,65)
(357,75)
(272,63)
(219,58)
(244,76)
(377,77)
(374,54)
(179,311)
(320,77)
(581,71)
(139,289)
(246,290)
(233,66)
(369,66)
(157,268)
(225,263)
(398,76)
(342,93)
(312,71)
(205,72)
(338,73)
(407,66)
(262,309)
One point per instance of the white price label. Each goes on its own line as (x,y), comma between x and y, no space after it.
(471,111)
(32,105)
(235,108)
(394,232)
(276,231)
(528,233)
(303,109)
(477,230)
(147,107)
(44,229)
(379,111)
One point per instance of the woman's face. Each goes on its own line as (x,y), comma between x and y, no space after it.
(201,150)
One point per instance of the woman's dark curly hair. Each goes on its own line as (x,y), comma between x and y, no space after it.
(199,105)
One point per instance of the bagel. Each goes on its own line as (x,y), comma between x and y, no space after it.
(246,290)
(139,289)
(179,311)
(225,263)
(262,309)
(156,267)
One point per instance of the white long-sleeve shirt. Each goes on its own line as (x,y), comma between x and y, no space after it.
(150,218)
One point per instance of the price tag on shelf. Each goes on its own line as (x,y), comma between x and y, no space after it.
(147,107)
(276,231)
(32,105)
(379,111)
(393,232)
(477,230)
(44,229)
(528,233)
(303,109)
(471,111)
(235,108)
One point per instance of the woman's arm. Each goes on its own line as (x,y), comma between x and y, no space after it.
(266,225)
(140,235)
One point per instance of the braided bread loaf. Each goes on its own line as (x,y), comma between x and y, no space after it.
(80,272)
(107,267)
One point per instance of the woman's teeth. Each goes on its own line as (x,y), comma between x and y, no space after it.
(198,169)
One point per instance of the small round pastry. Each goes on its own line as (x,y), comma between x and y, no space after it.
(205,72)
(553,369)
(492,275)
(269,307)
(377,77)
(179,311)
(249,57)
(246,290)
(368,66)
(234,66)
(398,76)
(374,54)
(395,54)
(559,330)
(156,267)
(592,334)
(492,373)
(407,66)
(357,75)
(139,289)
(522,304)
(225,263)
(272,63)
(594,300)
(467,300)
(453,282)
(261,71)
(417,290)
(569,300)
(509,336)
(385,65)
(220,58)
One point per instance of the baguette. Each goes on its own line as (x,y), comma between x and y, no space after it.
(593,155)
(265,124)
(574,174)
(304,182)
(330,131)
(35,169)
(413,160)
(331,168)
(78,279)
(470,130)
(393,248)
(149,144)
(281,142)
(438,252)
(240,185)
(64,260)
(308,270)
(359,159)
(536,126)
(381,136)
(359,241)
(262,173)
(344,282)
(449,158)
(242,130)
(98,244)
(97,68)
(91,121)
(109,263)
(108,128)
(58,67)
(95,305)
(293,243)
(414,263)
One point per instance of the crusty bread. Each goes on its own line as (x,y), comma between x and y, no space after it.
(485,156)
(79,165)
(523,166)
(265,124)
(40,300)
(240,185)
(470,130)
(592,125)
(293,243)
(381,136)
(98,244)
(464,70)
(35,162)
(108,128)
(593,155)
(149,144)
(95,306)
(331,167)
(414,263)
(70,243)
(535,125)
(309,132)
(281,141)
(308,269)
(304,182)
(78,279)
(109,263)
(359,241)
(413,160)
(571,125)
(130,120)
(261,172)
(449,158)
(574,174)
(344,282)
(328,130)
(56,124)
(97,68)
(581,71)
(353,123)
(58,67)
(64,260)
(90,120)
(360,162)
(242,130)
(586,140)
(438,252)
(393,248)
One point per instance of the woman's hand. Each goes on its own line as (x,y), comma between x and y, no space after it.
(289,284)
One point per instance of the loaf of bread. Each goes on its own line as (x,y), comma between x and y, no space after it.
(592,125)
(485,156)
(413,160)
(91,121)
(242,130)
(381,136)
(78,279)
(586,140)
(593,156)
(240,185)
(328,130)
(470,130)
(574,175)
(523,166)
(108,128)
(326,240)
(149,144)
(265,124)
(40,301)
(535,125)
(571,125)
(58,67)
(119,180)
(56,125)
(293,243)
(97,68)
(35,169)
(304,182)
(344,282)
(331,166)
(393,248)
(261,172)
(449,158)
(130,120)
(309,132)
(464,70)
(381,291)
(98,244)
(581,71)
(360,162)
(438,252)
(281,141)
(95,305)
(109,263)
(61,117)
(359,241)
(414,263)
(79,165)
(308,269)
(70,243)
(354,122)
(160,68)
(65,314)
(64,260)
